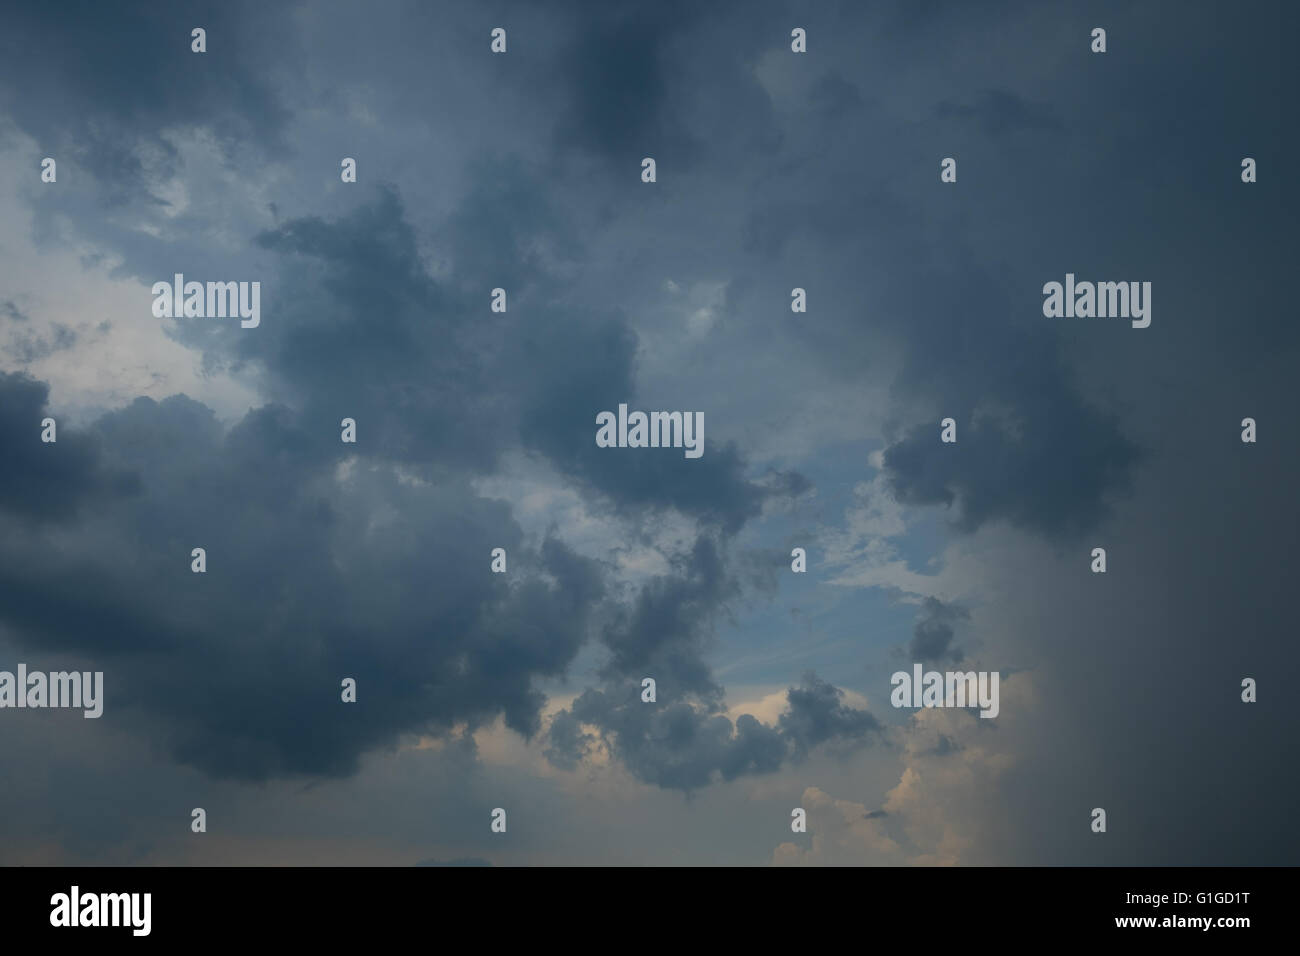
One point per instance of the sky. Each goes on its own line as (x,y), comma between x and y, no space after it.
(775,170)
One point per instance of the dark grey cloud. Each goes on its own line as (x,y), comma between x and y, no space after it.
(933,633)
(308,581)
(359,329)
(620,84)
(677,745)
(1069,457)
(11,311)
(836,96)
(999,112)
(126,73)
(817,714)
(566,742)
(683,740)
(684,744)
(662,633)
(1033,448)
(354,326)
(52,481)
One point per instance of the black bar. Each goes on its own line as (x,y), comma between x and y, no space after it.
(944,906)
